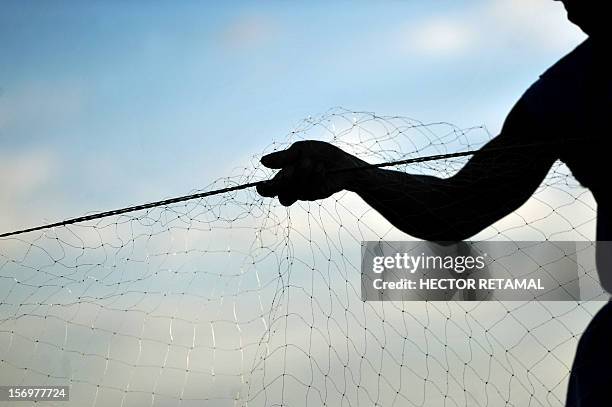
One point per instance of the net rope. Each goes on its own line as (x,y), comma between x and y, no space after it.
(233,300)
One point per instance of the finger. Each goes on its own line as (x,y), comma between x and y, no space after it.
(267,189)
(286,198)
(280,159)
(283,180)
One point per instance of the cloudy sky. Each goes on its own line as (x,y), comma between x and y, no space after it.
(105,104)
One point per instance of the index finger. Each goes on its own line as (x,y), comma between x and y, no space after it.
(280,159)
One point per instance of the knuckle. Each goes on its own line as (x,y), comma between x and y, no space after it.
(299,145)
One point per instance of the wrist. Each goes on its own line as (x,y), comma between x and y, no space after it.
(356,180)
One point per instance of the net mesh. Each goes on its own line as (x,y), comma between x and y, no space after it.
(235,300)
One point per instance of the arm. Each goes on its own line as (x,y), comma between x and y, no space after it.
(495,182)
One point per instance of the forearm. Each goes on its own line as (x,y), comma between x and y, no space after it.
(425,207)
(497,180)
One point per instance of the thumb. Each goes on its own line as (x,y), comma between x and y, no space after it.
(280,159)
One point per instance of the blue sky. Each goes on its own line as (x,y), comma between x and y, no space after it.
(105,104)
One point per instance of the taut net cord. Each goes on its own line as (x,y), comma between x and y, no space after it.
(233,300)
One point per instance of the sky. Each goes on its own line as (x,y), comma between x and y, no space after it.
(107,104)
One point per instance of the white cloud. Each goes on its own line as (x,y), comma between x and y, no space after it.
(248,31)
(438,37)
(24,173)
(539,25)
(22,177)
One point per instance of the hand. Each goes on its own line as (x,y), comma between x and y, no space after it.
(307,172)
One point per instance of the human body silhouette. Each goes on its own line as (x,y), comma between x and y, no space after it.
(562,116)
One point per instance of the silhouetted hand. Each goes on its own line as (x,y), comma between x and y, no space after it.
(307,172)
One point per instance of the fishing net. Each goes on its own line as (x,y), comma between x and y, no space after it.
(233,299)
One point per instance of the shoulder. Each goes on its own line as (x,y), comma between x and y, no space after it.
(573,64)
(563,85)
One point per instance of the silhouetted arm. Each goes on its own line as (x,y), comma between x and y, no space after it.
(496,181)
